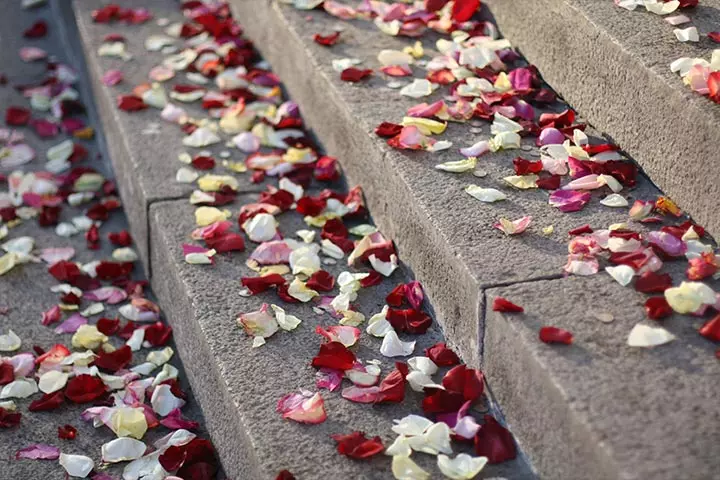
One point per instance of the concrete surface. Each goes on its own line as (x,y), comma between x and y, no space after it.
(25,291)
(239,386)
(145,163)
(445,234)
(614,66)
(600,409)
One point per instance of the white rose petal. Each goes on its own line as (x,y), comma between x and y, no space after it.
(643,335)
(392,346)
(20,388)
(9,342)
(462,467)
(163,401)
(403,468)
(487,195)
(623,274)
(411,425)
(52,381)
(77,465)
(122,450)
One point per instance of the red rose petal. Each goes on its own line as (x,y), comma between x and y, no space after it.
(67,432)
(121,238)
(37,30)
(326,169)
(463,10)
(49,401)
(227,242)
(321,281)
(555,335)
(9,419)
(285,475)
(334,355)
(466,381)
(494,441)
(374,278)
(108,326)
(356,445)
(17,116)
(202,162)
(714,86)
(158,334)
(114,361)
(651,282)
(442,355)
(500,304)
(409,320)
(714,36)
(388,130)
(130,103)
(657,308)
(396,297)
(392,387)
(84,389)
(7,373)
(326,40)
(354,75)
(260,284)
(711,329)
(438,400)
(549,183)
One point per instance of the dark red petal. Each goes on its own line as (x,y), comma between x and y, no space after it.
(392,387)
(494,441)
(388,130)
(202,162)
(49,401)
(465,381)
(37,30)
(334,355)
(353,74)
(396,297)
(582,230)
(438,400)
(7,373)
(227,242)
(651,282)
(657,308)
(9,419)
(158,334)
(409,320)
(114,361)
(17,116)
(121,238)
(549,183)
(714,36)
(526,167)
(711,329)
(502,305)
(84,389)
(311,206)
(356,445)
(67,432)
(260,284)
(108,326)
(714,86)
(435,5)
(374,278)
(321,281)
(442,355)
(173,457)
(555,335)
(327,40)
(462,10)
(130,103)
(285,475)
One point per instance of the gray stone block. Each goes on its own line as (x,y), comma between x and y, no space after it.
(145,163)
(614,67)
(599,409)
(239,386)
(25,291)
(445,235)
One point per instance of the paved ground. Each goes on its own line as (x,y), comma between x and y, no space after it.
(25,291)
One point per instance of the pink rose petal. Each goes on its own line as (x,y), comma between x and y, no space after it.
(39,451)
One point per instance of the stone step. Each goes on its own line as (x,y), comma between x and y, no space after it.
(613,65)
(237,386)
(565,421)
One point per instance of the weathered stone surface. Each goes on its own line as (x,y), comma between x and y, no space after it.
(614,67)
(447,236)
(239,386)
(598,408)
(145,159)
(25,291)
